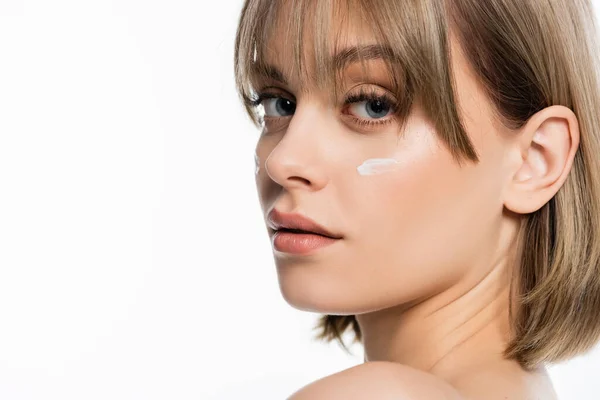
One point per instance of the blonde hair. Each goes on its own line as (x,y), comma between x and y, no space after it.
(528,55)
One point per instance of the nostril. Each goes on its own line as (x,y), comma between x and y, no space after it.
(299,178)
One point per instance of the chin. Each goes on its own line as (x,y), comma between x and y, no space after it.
(315,295)
(326,296)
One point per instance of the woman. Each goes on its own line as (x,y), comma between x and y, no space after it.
(430,180)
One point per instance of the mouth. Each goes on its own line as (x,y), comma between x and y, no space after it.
(300,242)
(298,224)
(297,234)
(300,231)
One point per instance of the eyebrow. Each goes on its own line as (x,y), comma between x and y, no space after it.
(341,60)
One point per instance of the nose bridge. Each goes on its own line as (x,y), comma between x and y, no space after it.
(297,159)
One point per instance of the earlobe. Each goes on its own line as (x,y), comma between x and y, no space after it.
(547,146)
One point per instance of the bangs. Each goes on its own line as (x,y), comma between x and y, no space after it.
(413,49)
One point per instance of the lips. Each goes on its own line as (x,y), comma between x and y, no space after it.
(298,223)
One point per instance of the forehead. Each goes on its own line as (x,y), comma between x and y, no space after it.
(342,28)
(326,30)
(326,26)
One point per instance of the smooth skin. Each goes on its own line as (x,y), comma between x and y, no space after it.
(425,261)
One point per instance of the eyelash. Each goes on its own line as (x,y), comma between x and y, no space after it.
(368,96)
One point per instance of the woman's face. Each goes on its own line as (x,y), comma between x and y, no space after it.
(411,227)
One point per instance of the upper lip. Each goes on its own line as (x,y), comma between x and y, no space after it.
(279,220)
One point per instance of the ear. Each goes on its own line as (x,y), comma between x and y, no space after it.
(544,149)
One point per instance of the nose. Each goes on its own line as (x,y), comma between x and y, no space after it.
(297,161)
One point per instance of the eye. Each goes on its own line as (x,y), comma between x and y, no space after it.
(279,107)
(370,105)
(367,109)
(376,108)
(276,106)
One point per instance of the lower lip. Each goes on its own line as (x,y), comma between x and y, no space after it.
(300,243)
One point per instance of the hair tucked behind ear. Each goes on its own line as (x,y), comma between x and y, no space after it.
(531,55)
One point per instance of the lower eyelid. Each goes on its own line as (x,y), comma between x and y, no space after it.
(364,124)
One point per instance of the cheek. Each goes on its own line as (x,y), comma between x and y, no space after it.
(412,226)
(414,206)
(408,199)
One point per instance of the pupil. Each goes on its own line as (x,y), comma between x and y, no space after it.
(377,109)
(284,106)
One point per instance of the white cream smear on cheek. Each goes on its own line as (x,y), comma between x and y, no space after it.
(256,164)
(376,166)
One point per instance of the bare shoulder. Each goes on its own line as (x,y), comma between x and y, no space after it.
(505,380)
(378,380)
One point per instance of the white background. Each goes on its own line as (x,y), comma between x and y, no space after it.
(134,263)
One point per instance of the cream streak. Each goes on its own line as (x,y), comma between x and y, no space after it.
(256,163)
(376,166)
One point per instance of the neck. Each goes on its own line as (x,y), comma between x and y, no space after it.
(461,327)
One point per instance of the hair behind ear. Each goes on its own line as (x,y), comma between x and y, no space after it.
(558,281)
